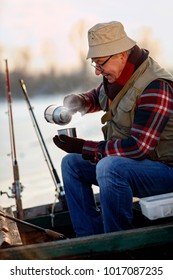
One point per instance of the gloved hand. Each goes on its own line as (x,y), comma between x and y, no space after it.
(69,144)
(74,102)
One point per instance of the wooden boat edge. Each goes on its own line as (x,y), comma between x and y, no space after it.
(94,246)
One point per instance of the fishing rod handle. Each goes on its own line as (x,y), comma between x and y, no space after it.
(54,234)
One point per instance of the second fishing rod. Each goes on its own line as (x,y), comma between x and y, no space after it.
(58,186)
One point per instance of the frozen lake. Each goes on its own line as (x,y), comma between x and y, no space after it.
(34,174)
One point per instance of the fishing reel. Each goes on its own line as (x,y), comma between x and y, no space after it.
(15,190)
(59,115)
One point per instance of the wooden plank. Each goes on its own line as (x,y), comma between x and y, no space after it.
(9,233)
(98,245)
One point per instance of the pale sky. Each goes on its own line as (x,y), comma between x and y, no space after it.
(42,28)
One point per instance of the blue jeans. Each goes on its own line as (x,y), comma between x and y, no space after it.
(119,179)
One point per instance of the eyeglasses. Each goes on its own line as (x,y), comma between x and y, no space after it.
(100,66)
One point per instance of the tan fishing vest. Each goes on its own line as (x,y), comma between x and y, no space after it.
(120,115)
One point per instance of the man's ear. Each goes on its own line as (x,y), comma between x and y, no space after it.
(124,57)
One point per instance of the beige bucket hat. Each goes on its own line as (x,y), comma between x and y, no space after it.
(106,39)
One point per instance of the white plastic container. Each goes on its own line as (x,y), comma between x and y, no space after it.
(158,206)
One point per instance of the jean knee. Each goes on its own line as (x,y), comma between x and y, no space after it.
(113,167)
(106,166)
(71,163)
(66,161)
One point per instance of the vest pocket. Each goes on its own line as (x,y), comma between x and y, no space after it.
(124,114)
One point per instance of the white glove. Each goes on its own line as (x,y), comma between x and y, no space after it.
(74,102)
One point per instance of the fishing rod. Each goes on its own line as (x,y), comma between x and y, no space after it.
(16,186)
(53,172)
(49,232)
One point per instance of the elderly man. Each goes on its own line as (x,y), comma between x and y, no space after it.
(136,156)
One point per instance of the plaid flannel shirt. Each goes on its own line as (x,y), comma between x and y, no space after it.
(151,116)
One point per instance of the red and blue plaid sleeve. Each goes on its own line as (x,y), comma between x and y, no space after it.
(91,98)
